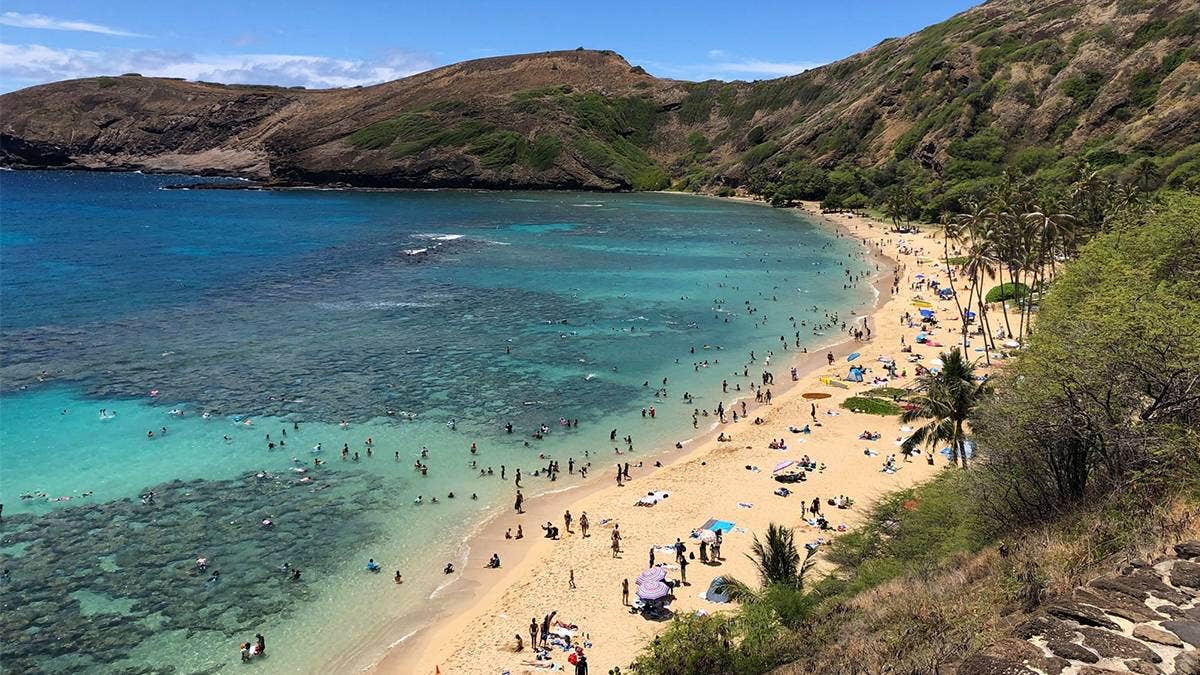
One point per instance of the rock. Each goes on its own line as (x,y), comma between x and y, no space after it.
(1143,668)
(1188,549)
(1115,646)
(1048,628)
(1188,631)
(1012,648)
(1117,604)
(1071,651)
(985,664)
(1139,585)
(1187,663)
(1185,573)
(1152,634)
(1088,616)
(1093,670)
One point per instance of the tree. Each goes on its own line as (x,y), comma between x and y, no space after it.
(1146,175)
(778,563)
(947,398)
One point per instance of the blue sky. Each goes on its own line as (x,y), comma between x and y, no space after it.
(326,44)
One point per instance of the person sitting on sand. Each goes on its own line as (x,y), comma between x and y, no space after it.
(494,563)
(448,569)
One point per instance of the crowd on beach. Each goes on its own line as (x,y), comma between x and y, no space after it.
(748,395)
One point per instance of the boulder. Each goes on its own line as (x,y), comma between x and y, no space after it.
(1071,651)
(1088,616)
(1189,550)
(1187,663)
(1115,646)
(986,664)
(1185,573)
(1152,634)
(1188,631)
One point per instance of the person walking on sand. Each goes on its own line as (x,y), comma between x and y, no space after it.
(651,556)
(583,523)
(616,541)
(571,579)
(683,563)
(567,521)
(520,502)
(625,591)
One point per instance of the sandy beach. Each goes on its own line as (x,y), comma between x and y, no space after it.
(474,624)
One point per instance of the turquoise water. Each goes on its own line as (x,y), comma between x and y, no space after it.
(334,317)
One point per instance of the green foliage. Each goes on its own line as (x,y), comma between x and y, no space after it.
(1100,393)
(697,143)
(1007,291)
(1029,160)
(871,405)
(498,149)
(697,106)
(1083,89)
(543,151)
(382,134)
(759,153)
(910,530)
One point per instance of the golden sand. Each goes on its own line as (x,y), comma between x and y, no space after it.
(477,631)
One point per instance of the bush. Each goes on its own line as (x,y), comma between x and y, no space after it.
(871,406)
(1007,291)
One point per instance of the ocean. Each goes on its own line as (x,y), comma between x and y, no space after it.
(173,363)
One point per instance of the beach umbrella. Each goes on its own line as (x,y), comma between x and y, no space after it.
(783,465)
(652,574)
(707,536)
(653,590)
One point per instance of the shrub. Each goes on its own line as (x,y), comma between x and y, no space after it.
(1007,291)
(871,406)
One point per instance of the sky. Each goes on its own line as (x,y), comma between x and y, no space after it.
(348,43)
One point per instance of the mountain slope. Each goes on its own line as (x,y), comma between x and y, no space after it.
(1008,82)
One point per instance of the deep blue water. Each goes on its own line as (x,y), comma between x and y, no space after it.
(197,310)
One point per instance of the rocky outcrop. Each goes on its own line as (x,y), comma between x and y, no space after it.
(1144,620)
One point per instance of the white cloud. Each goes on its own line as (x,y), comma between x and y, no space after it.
(758,67)
(24,65)
(19,20)
(724,65)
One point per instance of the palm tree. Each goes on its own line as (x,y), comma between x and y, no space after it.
(947,399)
(1146,175)
(778,563)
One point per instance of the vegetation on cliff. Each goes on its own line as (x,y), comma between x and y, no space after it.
(1087,452)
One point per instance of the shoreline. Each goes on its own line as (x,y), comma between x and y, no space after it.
(423,648)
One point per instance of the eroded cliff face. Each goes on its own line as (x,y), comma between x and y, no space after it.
(1118,76)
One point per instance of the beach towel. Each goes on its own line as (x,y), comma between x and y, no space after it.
(717,525)
(745,505)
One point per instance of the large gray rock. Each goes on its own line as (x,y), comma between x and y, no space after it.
(1188,631)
